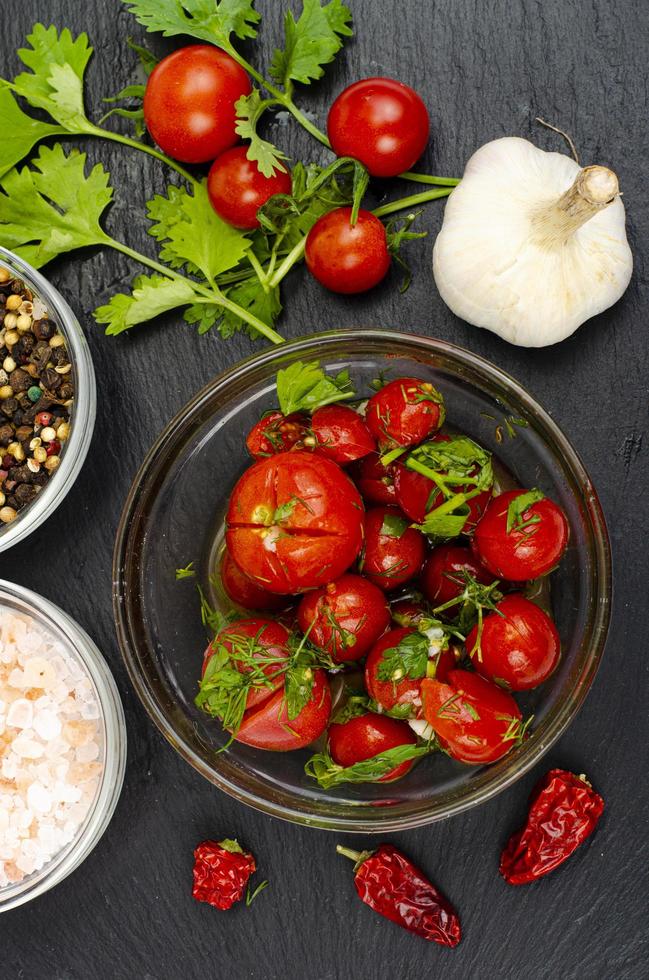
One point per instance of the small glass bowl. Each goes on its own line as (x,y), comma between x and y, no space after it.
(113,729)
(82,418)
(174,515)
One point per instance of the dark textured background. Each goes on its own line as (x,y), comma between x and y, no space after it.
(485,70)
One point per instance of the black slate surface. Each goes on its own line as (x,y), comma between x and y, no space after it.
(485,70)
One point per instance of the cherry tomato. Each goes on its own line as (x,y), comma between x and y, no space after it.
(475,721)
(276,433)
(368,735)
(394,552)
(519,645)
(189,102)
(392,693)
(269,727)
(345,617)
(253,638)
(404,412)
(417,495)
(242,590)
(380,122)
(341,434)
(346,258)
(533,545)
(237,188)
(374,480)
(295,521)
(408,612)
(442,577)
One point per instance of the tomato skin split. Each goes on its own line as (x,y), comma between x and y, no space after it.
(269,727)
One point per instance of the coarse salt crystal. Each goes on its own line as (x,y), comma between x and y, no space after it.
(20,713)
(47,725)
(38,798)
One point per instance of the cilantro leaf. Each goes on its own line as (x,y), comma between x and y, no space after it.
(444,523)
(209,20)
(311,42)
(408,659)
(461,461)
(249,295)
(355,706)
(20,133)
(55,82)
(192,233)
(298,685)
(54,208)
(249,109)
(516,520)
(328,774)
(305,387)
(394,526)
(151,296)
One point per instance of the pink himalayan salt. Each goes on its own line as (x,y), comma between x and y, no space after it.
(50,746)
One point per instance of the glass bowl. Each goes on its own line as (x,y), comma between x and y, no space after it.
(113,742)
(174,515)
(82,418)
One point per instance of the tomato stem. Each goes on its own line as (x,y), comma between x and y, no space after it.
(151,150)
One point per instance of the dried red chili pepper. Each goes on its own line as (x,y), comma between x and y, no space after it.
(391,885)
(221,873)
(564,810)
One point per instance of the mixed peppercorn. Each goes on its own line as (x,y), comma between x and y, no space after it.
(36,396)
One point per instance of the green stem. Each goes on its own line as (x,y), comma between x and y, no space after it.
(261,275)
(411,202)
(429,179)
(440,483)
(206,295)
(151,150)
(293,256)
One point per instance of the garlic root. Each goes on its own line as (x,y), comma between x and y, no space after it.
(532,245)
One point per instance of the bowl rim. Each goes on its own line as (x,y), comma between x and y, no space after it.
(527,755)
(109,788)
(84,410)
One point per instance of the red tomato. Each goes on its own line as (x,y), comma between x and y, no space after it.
(295,521)
(189,102)
(347,258)
(257,638)
(526,551)
(374,480)
(240,589)
(519,645)
(368,735)
(442,580)
(408,612)
(392,693)
(417,495)
(269,727)
(394,552)
(237,188)
(380,122)
(345,617)
(276,433)
(475,721)
(404,412)
(341,434)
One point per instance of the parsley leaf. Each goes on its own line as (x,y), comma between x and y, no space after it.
(445,524)
(516,520)
(248,295)
(408,659)
(54,208)
(192,233)
(267,156)
(305,387)
(209,20)
(20,133)
(151,296)
(328,774)
(355,706)
(55,82)
(461,461)
(311,42)
(298,684)
(394,526)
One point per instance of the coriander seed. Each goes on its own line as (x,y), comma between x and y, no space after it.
(13,301)
(7,515)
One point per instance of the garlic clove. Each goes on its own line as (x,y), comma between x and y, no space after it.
(531,245)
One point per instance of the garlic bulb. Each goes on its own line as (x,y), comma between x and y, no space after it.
(531,244)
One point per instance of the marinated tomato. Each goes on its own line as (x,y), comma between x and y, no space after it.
(521,536)
(367,735)
(242,590)
(345,617)
(295,522)
(518,646)
(374,480)
(276,433)
(271,727)
(475,721)
(445,575)
(341,434)
(404,413)
(394,552)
